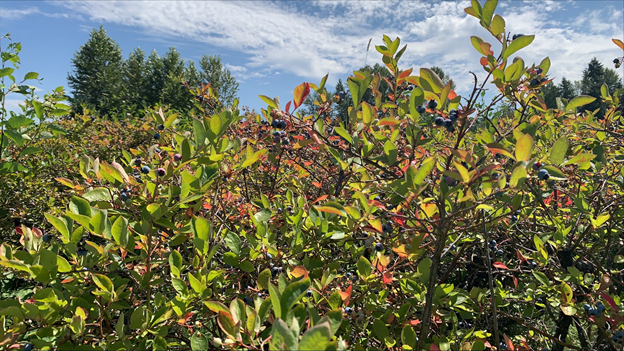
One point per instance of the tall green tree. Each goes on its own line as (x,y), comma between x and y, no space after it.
(135,81)
(593,77)
(96,80)
(221,79)
(156,77)
(175,95)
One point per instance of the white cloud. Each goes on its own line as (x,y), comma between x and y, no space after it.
(311,39)
(16,14)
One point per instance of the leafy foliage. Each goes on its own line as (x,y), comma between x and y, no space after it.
(292,231)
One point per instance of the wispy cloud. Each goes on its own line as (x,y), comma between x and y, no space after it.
(16,14)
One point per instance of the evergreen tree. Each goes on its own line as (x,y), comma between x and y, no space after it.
(175,95)
(567,90)
(96,80)
(550,92)
(221,79)
(135,80)
(155,82)
(593,77)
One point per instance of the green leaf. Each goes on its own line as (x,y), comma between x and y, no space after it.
(98,194)
(275,300)
(519,173)
(433,79)
(199,342)
(103,282)
(414,178)
(268,101)
(408,336)
(6,71)
(293,292)
(580,158)
(160,344)
(498,25)
(363,267)
(233,242)
(316,338)
(566,293)
(226,322)
(216,306)
(579,101)
(119,327)
(488,11)
(120,231)
(541,277)
(180,286)
(391,152)
(263,279)
(343,133)
(334,317)
(281,334)
(417,98)
(524,148)
(558,151)
(60,225)
(200,133)
(175,263)
(63,265)
(380,329)
(518,44)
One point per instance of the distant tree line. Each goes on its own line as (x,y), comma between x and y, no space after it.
(593,77)
(106,83)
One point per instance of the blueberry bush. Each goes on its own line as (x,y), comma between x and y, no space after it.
(400,227)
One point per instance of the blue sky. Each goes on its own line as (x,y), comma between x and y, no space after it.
(273,46)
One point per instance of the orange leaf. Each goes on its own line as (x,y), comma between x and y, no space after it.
(483,61)
(320,199)
(346,296)
(68,280)
(301,92)
(413,322)
(510,345)
(619,43)
(329,209)
(387,278)
(405,73)
(299,271)
(287,110)
(500,265)
(452,94)
(515,280)
(316,184)
(400,250)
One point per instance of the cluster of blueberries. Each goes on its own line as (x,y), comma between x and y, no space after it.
(448,123)
(595,311)
(493,245)
(280,135)
(161,128)
(618,337)
(279,124)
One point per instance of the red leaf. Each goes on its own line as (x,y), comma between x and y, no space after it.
(301,92)
(484,61)
(434,347)
(413,322)
(610,301)
(452,94)
(288,107)
(500,265)
(19,230)
(515,280)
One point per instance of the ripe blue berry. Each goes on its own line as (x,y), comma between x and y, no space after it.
(145,170)
(309,293)
(438,121)
(157,136)
(161,172)
(161,127)
(543,174)
(348,310)
(29,347)
(46,238)
(432,104)
(448,123)
(421,109)
(379,247)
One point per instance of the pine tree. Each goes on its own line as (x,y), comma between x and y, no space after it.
(96,80)
(221,79)
(176,96)
(135,81)
(593,77)
(155,80)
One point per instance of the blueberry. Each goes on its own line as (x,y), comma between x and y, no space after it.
(145,170)
(535,82)
(157,136)
(533,265)
(421,109)
(453,117)
(161,127)
(349,275)
(543,174)
(450,128)
(461,325)
(389,207)
(492,243)
(377,198)
(543,80)
(46,238)
(137,162)
(82,252)
(516,36)
(177,157)
(500,252)
(448,123)
(503,346)
(616,61)
(161,172)
(348,310)
(124,197)
(450,181)
(601,308)
(247,300)
(438,121)
(537,165)
(309,293)
(432,104)
(379,247)
(538,71)
(386,228)
(29,347)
